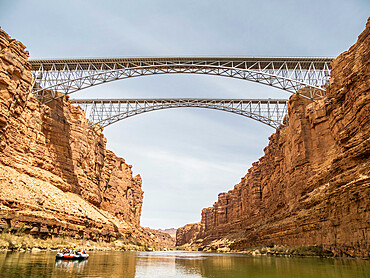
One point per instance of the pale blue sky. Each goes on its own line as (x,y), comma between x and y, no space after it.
(185,156)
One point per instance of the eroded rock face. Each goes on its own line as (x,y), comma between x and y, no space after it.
(312,185)
(162,238)
(170,231)
(121,193)
(188,234)
(49,148)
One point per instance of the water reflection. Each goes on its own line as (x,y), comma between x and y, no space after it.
(241,266)
(176,264)
(165,264)
(70,266)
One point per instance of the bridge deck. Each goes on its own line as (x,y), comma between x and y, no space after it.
(143,100)
(264,62)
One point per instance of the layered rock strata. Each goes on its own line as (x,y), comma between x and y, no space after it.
(160,237)
(170,231)
(311,187)
(188,234)
(56,176)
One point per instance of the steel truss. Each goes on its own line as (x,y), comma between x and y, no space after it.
(104,112)
(286,73)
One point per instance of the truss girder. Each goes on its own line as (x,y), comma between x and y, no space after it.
(104,112)
(287,73)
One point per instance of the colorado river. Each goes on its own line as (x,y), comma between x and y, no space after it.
(177,264)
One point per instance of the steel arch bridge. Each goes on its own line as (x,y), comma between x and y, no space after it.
(104,112)
(55,76)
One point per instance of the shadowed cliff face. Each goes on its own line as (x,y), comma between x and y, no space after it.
(56,176)
(57,131)
(312,185)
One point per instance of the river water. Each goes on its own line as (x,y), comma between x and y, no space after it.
(177,264)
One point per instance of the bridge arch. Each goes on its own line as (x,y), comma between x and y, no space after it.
(104,112)
(287,73)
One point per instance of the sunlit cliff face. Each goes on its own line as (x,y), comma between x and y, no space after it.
(57,178)
(311,186)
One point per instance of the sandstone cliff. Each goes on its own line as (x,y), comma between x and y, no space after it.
(56,176)
(188,234)
(312,185)
(170,231)
(162,238)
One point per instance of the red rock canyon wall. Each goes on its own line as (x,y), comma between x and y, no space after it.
(311,187)
(56,176)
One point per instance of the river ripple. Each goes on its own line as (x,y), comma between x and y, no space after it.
(177,264)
